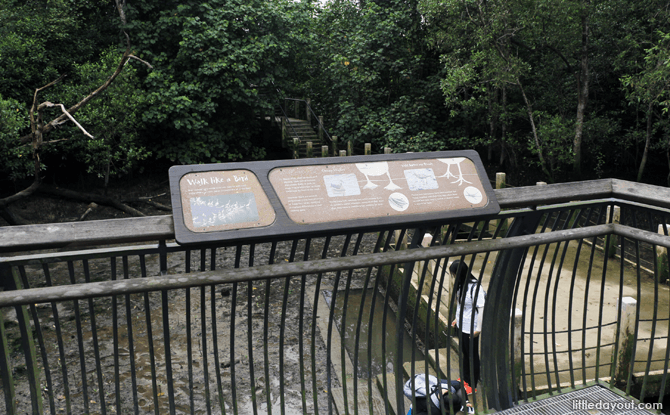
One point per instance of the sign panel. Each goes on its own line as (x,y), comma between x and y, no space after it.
(326,193)
(222,200)
(260,201)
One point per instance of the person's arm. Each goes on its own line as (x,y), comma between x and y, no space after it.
(481,295)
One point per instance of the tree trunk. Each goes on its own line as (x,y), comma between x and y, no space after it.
(583,95)
(538,146)
(647,141)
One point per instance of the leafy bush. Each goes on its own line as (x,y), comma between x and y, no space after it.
(15,161)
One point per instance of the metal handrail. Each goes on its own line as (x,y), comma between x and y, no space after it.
(314,116)
(138,290)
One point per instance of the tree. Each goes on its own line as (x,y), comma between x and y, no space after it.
(213,62)
(375,76)
(40,129)
(651,88)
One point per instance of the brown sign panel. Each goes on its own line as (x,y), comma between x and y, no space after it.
(270,200)
(336,192)
(223,200)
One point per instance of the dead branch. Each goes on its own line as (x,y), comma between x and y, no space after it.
(91,207)
(90,197)
(141,60)
(10,217)
(148,201)
(49,105)
(20,195)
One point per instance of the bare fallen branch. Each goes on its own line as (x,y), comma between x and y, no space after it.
(89,197)
(20,195)
(91,207)
(157,205)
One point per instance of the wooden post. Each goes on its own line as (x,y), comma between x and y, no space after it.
(343,153)
(320,130)
(624,355)
(335,153)
(309,152)
(613,239)
(324,151)
(283,132)
(500,180)
(368,149)
(662,257)
(350,147)
(296,148)
(387,150)
(307,109)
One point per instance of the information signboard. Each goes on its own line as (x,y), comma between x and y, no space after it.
(255,200)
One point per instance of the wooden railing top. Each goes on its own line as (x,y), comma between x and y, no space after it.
(155,228)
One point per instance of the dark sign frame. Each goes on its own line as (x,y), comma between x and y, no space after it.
(283,225)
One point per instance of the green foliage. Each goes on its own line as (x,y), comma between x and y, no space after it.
(39,40)
(16,161)
(211,62)
(375,77)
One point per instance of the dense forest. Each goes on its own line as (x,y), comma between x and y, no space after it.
(545,90)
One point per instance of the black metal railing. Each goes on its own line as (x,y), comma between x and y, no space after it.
(254,328)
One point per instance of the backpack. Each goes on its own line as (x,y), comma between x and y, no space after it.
(426,393)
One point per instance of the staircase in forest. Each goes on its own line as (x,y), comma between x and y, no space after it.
(304,132)
(299,124)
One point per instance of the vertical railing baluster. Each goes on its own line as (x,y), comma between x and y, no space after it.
(203,346)
(534,304)
(96,347)
(233,312)
(599,213)
(250,332)
(6,369)
(287,284)
(571,296)
(150,338)
(378,245)
(40,342)
(315,316)
(59,340)
(664,378)
(131,343)
(615,353)
(215,346)
(329,335)
(189,336)
(654,318)
(168,350)
(80,340)
(115,339)
(629,381)
(215,336)
(603,286)
(343,325)
(378,278)
(266,334)
(301,351)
